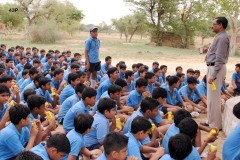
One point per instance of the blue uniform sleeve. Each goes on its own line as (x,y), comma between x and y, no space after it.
(131,101)
(14,144)
(48,97)
(102,131)
(179,98)
(76,147)
(234,77)
(196,91)
(134,150)
(87,45)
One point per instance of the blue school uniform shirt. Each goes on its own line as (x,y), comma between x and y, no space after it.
(103,87)
(151,70)
(172,97)
(32,118)
(92,46)
(181,85)
(185,80)
(43,60)
(121,75)
(20,67)
(202,88)
(172,131)
(41,151)
(185,91)
(102,157)
(134,98)
(67,104)
(45,94)
(25,83)
(100,128)
(134,146)
(55,84)
(68,123)
(235,77)
(2,112)
(159,79)
(10,56)
(19,76)
(46,67)
(16,62)
(104,69)
(163,77)
(105,77)
(150,88)
(231,146)
(29,86)
(130,87)
(136,75)
(10,72)
(76,141)
(12,142)
(20,81)
(66,92)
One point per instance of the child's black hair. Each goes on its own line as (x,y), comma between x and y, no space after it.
(43,81)
(180,75)
(141,70)
(26,155)
(60,142)
(76,54)
(27,93)
(163,66)
(74,65)
(236,110)
(113,89)
(159,92)
(42,50)
(180,115)
(79,88)
(148,104)
(88,92)
(149,75)
(57,71)
(4,78)
(114,141)
(141,82)
(140,124)
(120,82)
(27,66)
(190,70)
(237,65)
(3,89)
(205,78)
(146,67)
(172,80)
(192,80)
(111,71)
(35,101)
(178,67)
(24,72)
(155,70)
(72,77)
(83,122)
(155,63)
(105,104)
(122,66)
(134,66)
(107,58)
(2,70)
(33,71)
(128,73)
(139,65)
(197,71)
(9,60)
(180,146)
(18,112)
(189,127)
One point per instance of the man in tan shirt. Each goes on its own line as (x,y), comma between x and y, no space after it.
(216,59)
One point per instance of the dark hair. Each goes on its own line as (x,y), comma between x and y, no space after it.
(141,82)
(192,80)
(146,67)
(2,70)
(180,115)
(27,66)
(60,142)
(83,122)
(18,112)
(2,55)
(24,72)
(141,70)
(172,80)
(10,50)
(105,104)
(42,50)
(159,92)
(3,88)
(17,54)
(120,82)
(74,60)
(180,146)
(33,71)
(36,61)
(26,155)
(27,93)
(56,51)
(205,78)
(148,104)
(180,75)
(178,67)
(197,71)
(122,66)
(163,66)
(76,54)
(107,58)
(155,70)
(140,124)
(88,92)
(4,78)
(28,53)
(189,127)
(237,65)
(57,71)
(114,141)
(35,101)
(111,71)
(134,65)
(139,65)
(128,73)
(43,81)
(72,77)
(113,89)
(236,110)
(190,70)
(223,21)
(80,73)
(37,78)
(79,88)
(155,63)
(149,75)
(74,65)
(9,60)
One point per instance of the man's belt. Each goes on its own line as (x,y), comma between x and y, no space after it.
(211,64)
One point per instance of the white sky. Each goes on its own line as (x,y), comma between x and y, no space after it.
(96,11)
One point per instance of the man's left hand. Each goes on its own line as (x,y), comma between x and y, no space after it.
(211,79)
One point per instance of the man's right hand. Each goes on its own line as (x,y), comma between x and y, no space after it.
(87,65)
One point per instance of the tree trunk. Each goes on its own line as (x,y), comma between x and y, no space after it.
(202,39)
(121,35)
(233,43)
(130,39)
(141,35)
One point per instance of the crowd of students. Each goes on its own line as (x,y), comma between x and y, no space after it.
(50,110)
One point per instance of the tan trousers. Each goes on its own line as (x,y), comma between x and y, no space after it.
(213,98)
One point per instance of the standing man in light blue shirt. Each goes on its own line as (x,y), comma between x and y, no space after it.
(92,60)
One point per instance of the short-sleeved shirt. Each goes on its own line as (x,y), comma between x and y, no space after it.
(10,72)
(104,69)
(29,86)
(130,87)
(103,87)
(172,97)
(134,98)
(41,151)
(159,79)
(105,77)
(32,118)
(121,75)
(66,92)
(235,77)
(46,67)
(164,77)
(136,75)
(67,104)
(16,62)
(76,141)
(45,94)
(68,123)
(172,131)
(55,84)
(12,142)
(134,146)
(202,88)
(231,146)
(102,157)
(100,128)
(3,110)
(20,67)
(150,87)
(20,81)
(181,85)
(92,46)
(25,83)
(185,91)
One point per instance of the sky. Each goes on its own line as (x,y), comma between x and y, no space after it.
(97,11)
